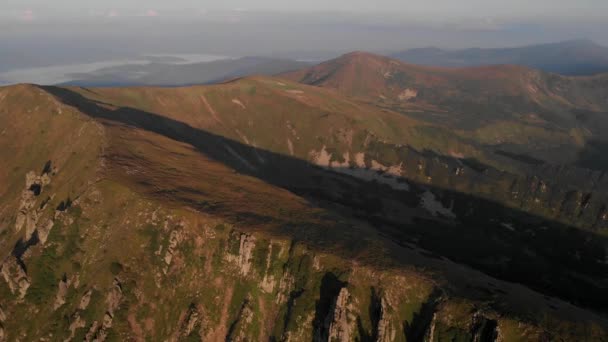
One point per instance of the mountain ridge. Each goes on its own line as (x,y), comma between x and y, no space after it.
(574,57)
(243,236)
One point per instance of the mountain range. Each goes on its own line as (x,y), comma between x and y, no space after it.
(161,73)
(362,199)
(573,57)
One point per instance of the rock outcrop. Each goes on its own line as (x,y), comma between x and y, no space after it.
(28,214)
(98,332)
(245,254)
(62,292)
(239,328)
(191,322)
(15,276)
(175,238)
(386,333)
(341,326)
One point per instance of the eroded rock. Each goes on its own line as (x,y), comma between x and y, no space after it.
(85,300)
(342,326)
(192,320)
(386,333)
(15,276)
(247,244)
(77,323)
(99,332)
(44,231)
(28,214)
(62,292)
(175,239)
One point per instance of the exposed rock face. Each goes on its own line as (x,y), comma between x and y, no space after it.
(14,275)
(62,291)
(99,332)
(28,215)
(246,253)
(341,327)
(85,300)
(114,297)
(239,329)
(77,323)
(431,332)
(386,333)
(175,239)
(268,282)
(44,231)
(192,320)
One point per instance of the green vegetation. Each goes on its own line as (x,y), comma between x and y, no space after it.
(44,278)
(116,268)
(315,232)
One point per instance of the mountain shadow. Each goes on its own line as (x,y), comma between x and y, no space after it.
(512,245)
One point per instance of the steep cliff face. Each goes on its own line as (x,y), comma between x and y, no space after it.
(205,295)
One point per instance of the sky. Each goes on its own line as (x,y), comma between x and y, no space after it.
(444,9)
(41,33)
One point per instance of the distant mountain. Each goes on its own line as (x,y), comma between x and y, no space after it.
(574,57)
(170,74)
(504,108)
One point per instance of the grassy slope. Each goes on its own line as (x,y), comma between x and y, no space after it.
(150,186)
(554,111)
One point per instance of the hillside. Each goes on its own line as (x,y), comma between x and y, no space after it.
(575,57)
(262,209)
(546,117)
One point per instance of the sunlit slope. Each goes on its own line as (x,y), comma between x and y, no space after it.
(512,108)
(161,221)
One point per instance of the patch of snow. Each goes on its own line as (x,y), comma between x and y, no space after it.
(433,206)
(508,226)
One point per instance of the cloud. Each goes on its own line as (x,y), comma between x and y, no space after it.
(151,13)
(27,15)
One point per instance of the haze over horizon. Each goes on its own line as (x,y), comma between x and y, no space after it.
(35,34)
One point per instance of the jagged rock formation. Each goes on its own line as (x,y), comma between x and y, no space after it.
(15,276)
(175,239)
(28,214)
(239,329)
(341,321)
(98,332)
(245,253)
(192,321)
(76,320)
(385,331)
(62,291)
